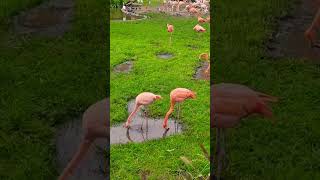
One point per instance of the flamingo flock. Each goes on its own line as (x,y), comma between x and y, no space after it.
(195,7)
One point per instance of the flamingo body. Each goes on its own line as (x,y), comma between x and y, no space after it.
(201,20)
(170,28)
(232,102)
(143,99)
(199,28)
(177,95)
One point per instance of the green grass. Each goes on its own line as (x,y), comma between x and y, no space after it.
(259,150)
(141,41)
(45,82)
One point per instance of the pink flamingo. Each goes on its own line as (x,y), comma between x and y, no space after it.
(199,28)
(193,11)
(96,125)
(311,33)
(201,20)
(143,99)
(177,95)
(230,104)
(170,30)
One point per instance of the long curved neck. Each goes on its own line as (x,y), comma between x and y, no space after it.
(83,149)
(136,108)
(172,103)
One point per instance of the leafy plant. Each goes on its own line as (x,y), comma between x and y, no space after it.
(188,175)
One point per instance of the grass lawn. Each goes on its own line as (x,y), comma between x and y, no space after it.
(141,41)
(44,82)
(259,150)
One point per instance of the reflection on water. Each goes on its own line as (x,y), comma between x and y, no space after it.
(142,129)
(117,14)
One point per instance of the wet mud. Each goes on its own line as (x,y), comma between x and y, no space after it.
(289,39)
(124,67)
(142,128)
(68,139)
(51,18)
(200,72)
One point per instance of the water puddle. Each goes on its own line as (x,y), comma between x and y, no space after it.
(118,15)
(68,139)
(289,40)
(152,130)
(124,67)
(200,72)
(164,55)
(52,18)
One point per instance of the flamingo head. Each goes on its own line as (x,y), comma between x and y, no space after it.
(157,97)
(204,56)
(192,95)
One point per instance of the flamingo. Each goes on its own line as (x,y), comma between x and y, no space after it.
(177,95)
(231,103)
(143,99)
(193,10)
(205,57)
(199,28)
(170,30)
(311,33)
(201,20)
(95,122)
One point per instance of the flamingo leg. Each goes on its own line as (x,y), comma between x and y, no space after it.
(224,151)
(146,119)
(176,123)
(217,144)
(144,115)
(218,153)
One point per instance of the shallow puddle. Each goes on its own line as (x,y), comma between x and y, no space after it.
(289,40)
(200,72)
(68,139)
(152,130)
(52,18)
(118,15)
(124,67)
(165,55)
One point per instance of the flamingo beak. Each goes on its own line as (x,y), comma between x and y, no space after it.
(194,95)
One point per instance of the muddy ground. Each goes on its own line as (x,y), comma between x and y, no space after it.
(51,18)
(288,40)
